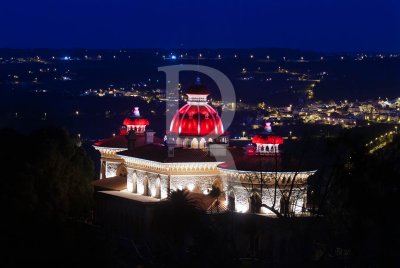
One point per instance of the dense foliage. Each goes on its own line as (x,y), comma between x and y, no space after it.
(45,184)
(45,175)
(359,201)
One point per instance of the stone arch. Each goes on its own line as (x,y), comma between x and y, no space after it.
(103,170)
(231,199)
(132,182)
(158,188)
(194,144)
(285,207)
(202,143)
(255,202)
(122,171)
(185,143)
(146,185)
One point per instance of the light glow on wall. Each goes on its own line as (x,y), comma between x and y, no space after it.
(190,186)
(242,208)
(140,189)
(129,185)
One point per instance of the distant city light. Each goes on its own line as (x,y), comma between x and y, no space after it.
(173,57)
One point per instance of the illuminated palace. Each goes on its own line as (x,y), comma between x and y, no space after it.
(195,155)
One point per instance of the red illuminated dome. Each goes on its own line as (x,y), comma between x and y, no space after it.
(134,122)
(197,118)
(129,121)
(267,139)
(266,142)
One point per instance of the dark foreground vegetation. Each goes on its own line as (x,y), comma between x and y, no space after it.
(47,205)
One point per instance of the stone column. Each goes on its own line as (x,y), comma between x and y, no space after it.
(103,170)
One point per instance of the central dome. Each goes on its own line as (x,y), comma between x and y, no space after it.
(197,117)
(197,120)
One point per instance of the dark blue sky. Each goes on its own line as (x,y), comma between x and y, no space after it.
(323,25)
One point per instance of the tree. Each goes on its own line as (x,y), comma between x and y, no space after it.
(45,181)
(176,221)
(46,175)
(361,204)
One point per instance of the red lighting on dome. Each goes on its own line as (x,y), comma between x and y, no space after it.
(134,122)
(197,120)
(128,121)
(267,139)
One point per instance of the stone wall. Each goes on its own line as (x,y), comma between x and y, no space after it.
(195,183)
(111,169)
(270,196)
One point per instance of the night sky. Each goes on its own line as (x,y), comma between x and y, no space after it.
(328,25)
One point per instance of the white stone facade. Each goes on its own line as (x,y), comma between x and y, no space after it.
(157,179)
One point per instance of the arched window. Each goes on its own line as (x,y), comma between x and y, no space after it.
(285,206)
(231,200)
(145,186)
(158,187)
(121,171)
(132,182)
(202,143)
(185,143)
(255,202)
(194,144)
(103,170)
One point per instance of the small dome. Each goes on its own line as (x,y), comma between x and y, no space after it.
(267,139)
(134,122)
